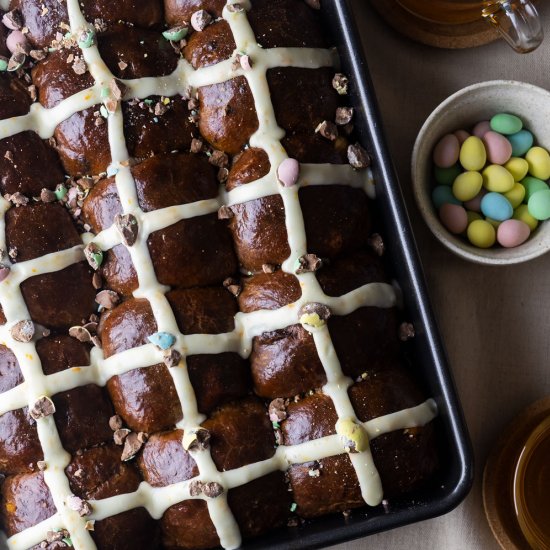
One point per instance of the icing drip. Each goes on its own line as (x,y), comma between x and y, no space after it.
(247,325)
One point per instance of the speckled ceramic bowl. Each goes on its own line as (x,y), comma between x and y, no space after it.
(462,110)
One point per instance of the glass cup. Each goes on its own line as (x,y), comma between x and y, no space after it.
(517,21)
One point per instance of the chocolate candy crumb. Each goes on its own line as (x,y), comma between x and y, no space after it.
(79,505)
(22,331)
(406,331)
(43,407)
(200,20)
(128,228)
(308,263)
(357,156)
(115,422)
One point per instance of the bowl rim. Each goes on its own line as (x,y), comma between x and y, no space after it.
(486,256)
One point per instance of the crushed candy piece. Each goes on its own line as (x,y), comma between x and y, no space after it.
(22,331)
(354,435)
(314,314)
(42,407)
(94,255)
(162,340)
(175,34)
(128,228)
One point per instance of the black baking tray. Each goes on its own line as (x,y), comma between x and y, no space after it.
(455,477)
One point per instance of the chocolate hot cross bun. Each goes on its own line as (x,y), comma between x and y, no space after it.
(198,342)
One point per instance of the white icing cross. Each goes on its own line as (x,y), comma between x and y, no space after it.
(247,325)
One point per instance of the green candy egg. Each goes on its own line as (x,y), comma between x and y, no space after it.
(539,205)
(442,194)
(532,185)
(446,176)
(506,124)
(497,179)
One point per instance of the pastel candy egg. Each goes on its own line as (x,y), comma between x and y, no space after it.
(499,149)
(517,167)
(472,216)
(494,223)
(507,124)
(512,233)
(442,194)
(467,185)
(539,205)
(472,154)
(481,128)
(475,203)
(496,206)
(16,39)
(521,142)
(454,218)
(539,162)
(288,172)
(522,213)
(461,135)
(446,176)
(497,178)
(516,195)
(481,234)
(532,185)
(446,151)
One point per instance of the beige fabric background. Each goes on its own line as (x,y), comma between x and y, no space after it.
(494,321)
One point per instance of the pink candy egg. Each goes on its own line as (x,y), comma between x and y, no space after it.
(15,39)
(499,149)
(512,233)
(461,135)
(454,218)
(288,172)
(446,151)
(475,204)
(481,128)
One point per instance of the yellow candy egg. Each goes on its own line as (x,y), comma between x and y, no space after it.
(496,178)
(516,195)
(472,154)
(522,213)
(518,167)
(467,185)
(539,162)
(494,223)
(472,216)
(481,234)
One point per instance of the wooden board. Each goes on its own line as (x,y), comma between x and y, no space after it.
(434,34)
(499,470)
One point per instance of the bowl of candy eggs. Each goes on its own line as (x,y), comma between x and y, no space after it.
(481,172)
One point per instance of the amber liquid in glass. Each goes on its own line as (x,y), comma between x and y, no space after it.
(447,11)
(532,488)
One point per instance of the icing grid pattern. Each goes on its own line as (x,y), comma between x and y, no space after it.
(247,325)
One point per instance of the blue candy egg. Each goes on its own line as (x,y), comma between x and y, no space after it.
(443,194)
(162,340)
(521,142)
(496,206)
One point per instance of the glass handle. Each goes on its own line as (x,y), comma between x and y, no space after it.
(518,22)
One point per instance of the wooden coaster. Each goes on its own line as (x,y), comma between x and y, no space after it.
(434,34)
(498,475)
